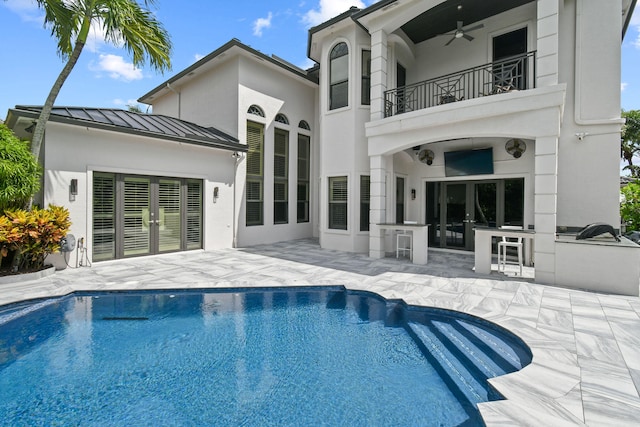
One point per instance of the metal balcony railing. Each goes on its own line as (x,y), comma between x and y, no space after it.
(514,73)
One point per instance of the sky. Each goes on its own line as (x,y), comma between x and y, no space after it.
(105,77)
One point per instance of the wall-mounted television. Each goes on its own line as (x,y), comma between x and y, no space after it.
(468,162)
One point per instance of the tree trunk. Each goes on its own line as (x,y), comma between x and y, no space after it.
(41,124)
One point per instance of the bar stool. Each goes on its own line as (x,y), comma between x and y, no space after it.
(404,241)
(508,242)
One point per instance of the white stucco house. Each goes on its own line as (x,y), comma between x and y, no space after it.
(462,115)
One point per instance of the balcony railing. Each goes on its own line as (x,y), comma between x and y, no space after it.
(514,73)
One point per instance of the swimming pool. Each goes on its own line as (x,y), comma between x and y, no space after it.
(273,356)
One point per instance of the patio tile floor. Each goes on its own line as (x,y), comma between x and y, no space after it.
(585,345)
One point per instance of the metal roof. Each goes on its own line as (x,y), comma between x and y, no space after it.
(151,125)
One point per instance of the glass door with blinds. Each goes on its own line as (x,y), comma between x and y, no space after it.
(141,215)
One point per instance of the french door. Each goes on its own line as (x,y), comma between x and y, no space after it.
(138,215)
(455,208)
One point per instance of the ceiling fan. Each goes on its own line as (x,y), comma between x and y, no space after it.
(462,32)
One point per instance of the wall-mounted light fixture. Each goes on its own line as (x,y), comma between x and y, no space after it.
(413,194)
(31,127)
(73,189)
(216,193)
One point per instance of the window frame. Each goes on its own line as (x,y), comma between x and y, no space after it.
(281,205)
(333,204)
(303,180)
(336,55)
(252,178)
(365,78)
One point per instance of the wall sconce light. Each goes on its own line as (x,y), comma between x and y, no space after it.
(73,189)
(216,192)
(413,194)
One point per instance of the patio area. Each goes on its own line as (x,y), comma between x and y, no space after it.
(586,358)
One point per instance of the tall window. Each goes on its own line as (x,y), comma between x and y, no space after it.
(365,196)
(255,174)
(399,200)
(339,76)
(338,193)
(365,97)
(280,177)
(304,148)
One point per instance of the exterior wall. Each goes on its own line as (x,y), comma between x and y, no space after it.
(274,92)
(343,142)
(590,65)
(208,99)
(74,152)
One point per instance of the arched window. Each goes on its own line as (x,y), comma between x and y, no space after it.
(339,76)
(281,118)
(304,125)
(254,109)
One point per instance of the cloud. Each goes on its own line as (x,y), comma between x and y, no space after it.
(328,9)
(117,68)
(260,24)
(28,10)
(198,57)
(623,86)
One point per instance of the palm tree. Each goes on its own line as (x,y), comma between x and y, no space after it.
(125,22)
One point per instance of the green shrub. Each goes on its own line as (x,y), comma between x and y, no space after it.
(32,235)
(19,171)
(630,207)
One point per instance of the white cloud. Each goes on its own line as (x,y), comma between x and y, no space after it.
(260,24)
(122,102)
(328,9)
(117,68)
(27,9)
(623,86)
(198,57)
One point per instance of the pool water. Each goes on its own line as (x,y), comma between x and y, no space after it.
(255,357)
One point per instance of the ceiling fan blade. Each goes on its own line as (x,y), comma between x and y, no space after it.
(460,25)
(467,36)
(449,42)
(477,27)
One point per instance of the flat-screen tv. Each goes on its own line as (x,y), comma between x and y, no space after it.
(468,162)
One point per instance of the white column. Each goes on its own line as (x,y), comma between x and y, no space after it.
(547,43)
(378,73)
(377,206)
(545,211)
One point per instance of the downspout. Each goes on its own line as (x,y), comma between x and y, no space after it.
(237,157)
(178,95)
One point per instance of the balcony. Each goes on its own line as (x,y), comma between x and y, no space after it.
(514,73)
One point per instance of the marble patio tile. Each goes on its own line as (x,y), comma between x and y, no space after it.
(524,312)
(600,348)
(618,314)
(620,302)
(572,402)
(593,326)
(594,311)
(603,411)
(555,319)
(612,381)
(627,335)
(565,340)
(502,294)
(556,303)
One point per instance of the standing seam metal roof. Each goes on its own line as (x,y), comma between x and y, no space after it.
(154,124)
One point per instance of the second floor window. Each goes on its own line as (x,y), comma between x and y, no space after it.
(366,78)
(339,76)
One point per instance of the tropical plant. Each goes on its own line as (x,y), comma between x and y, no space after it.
(630,205)
(630,144)
(32,235)
(125,23)
(19,171)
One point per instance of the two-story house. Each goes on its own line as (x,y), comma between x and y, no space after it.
(462,115)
